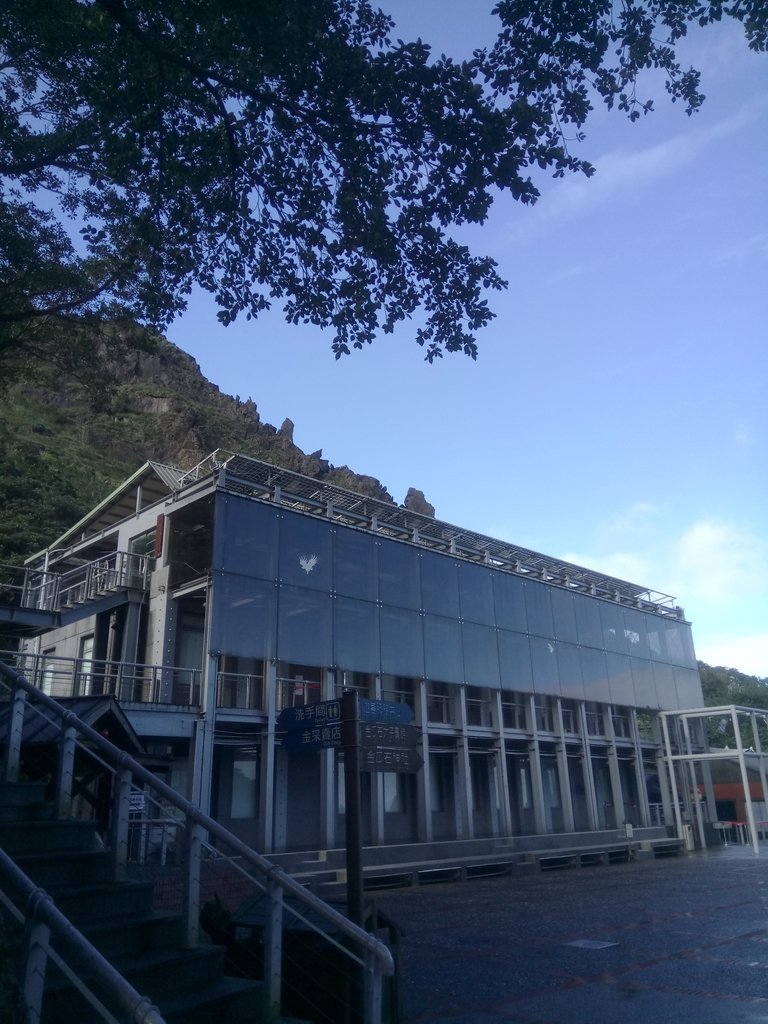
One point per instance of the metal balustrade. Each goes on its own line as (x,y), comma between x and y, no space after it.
(195,835)
(126,681)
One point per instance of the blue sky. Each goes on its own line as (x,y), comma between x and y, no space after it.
(617,413)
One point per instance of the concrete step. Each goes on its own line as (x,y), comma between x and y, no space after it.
(19,837)
(76,867)
(104,902)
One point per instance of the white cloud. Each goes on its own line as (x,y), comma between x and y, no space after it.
(717,570)
(625,172)
(746,653)
(717,560)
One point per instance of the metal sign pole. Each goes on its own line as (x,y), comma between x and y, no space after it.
(350,739)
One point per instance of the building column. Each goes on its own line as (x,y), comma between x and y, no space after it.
(617,795)
(423,778)
(268,754)
(464,780)
(642,791)
(534,760)
(590,794)
(563,773)
(205,727)
(328,775)
(497,715)
(377,789)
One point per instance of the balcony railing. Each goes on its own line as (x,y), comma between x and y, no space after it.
(89,677)
(56,591)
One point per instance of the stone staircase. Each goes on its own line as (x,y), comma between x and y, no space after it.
(63,858)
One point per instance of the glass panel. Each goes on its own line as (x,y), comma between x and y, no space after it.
(636,633)
(665,686)
(402,646)
(354,564)
(509,601)
(304,626)
(356,635)
(476,591)
(245,788)
(688,686)
(439,585)
(481,655)
(620,679)
(243,616)
(539,609)
(594,672)
(613,627)
(246,537)
(305,552)
(564,615)
(657,643)
(569,670)
(399,575)
(679,643)
(588,625)
(442,649)
(544,661)
(645,685)
(515,661)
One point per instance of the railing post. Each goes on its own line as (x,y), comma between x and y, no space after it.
(273,952)
(121,811)
(34,959)
(372,989)
(15,733)
(192,886)
(66,772)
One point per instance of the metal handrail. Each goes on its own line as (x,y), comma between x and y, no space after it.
(43,919)
(372,954)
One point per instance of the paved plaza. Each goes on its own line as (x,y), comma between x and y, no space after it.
(679,939)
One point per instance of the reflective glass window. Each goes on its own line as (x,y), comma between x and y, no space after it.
(304,626)
(439,585)
(246,537)
(539,609)
(402,646)
(442,649)
(644,683)
(564,615)
(509,602)
(544,662)
(244,616)
(399,583)
(688,686)
(354,564)
(588,625)
(612,621)
(569,670)
(665,686)
(305,552)
(481,655)
(620,679)
(657,642)
(679,643)
(476,591)
(356,635)
(594,673)
(636,633)
(515,661)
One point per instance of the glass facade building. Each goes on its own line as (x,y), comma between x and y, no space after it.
(536,686)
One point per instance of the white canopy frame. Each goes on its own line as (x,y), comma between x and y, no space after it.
(683,753)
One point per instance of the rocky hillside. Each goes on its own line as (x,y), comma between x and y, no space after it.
(66,441)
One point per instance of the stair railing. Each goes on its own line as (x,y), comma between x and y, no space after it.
(41,920)
(373,958)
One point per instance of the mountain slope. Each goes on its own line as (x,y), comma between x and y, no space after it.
(65,441)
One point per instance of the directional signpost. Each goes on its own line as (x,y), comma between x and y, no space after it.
(311,727)
(375,736)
